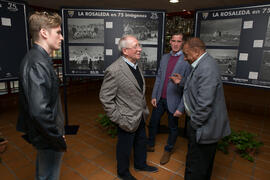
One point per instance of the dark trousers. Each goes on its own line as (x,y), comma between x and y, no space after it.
(154,125)
(126,141)
(200,157)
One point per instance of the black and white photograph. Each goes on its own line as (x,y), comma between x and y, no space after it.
(222,32)
(226,59)
(267,36)
(86,58)
(146,30)
(148,60)
(85,30)
(265,66)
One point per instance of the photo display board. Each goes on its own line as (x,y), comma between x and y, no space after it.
(13,38)
(91,38)
(239,40)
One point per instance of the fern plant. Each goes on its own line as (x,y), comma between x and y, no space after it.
(105,122)
(244,143)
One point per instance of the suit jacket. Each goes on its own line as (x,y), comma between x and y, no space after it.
(122,98)
(174,92)
(204,96)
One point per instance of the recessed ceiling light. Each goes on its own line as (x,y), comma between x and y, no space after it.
(174,1)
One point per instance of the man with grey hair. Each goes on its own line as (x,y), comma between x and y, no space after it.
(123,96)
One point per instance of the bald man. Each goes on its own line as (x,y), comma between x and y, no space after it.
(207,118)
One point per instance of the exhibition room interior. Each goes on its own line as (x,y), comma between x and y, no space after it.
(237,35)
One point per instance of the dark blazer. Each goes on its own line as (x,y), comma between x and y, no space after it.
(174,92)
(203,93)
(41,117)
(121,96)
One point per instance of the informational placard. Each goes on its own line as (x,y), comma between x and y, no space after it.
(13,38)
(239,39)
(91,38)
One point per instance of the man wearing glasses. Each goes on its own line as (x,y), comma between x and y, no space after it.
(167,96)
(123,96)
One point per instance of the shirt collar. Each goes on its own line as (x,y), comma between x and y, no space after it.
(195,63)
(179,53)
(130,63)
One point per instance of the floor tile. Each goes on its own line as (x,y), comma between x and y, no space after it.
(26,172)
(87,169)
(243,166)
(262,164)
(261,174)
(91,153)
(103,160)
(74,161)
(161,174)
(70,174)
(220,171)
(6,173)
(236,175)
(102,175)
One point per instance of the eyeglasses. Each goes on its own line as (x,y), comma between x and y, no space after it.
(137,46)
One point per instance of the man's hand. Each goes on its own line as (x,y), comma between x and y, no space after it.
(176,78)
(154,102)
(177,113)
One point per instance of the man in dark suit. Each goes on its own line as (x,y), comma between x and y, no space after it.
(207,118)
(123,96)
(167,96)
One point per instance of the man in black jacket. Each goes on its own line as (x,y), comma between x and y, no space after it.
(41,116)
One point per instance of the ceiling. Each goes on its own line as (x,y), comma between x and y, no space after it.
(143,4)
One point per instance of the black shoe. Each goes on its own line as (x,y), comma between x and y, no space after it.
(147,168)
(126,177)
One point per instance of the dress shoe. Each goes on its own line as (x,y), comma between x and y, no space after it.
(147,168)
(150,148)
(165,157)
(126,177)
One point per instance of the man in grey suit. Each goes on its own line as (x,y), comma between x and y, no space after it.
(207,118)
(123,96)
(167,96)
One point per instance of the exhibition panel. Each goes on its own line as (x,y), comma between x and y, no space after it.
(239,39)
(14,38)
(91,38)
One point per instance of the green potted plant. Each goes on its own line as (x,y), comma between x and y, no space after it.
(106,123)
(242,142)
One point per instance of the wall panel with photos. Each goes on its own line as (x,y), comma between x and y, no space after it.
(13,38)
(91,38)
(239,39)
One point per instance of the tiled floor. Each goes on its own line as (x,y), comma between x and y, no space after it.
(91,153)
